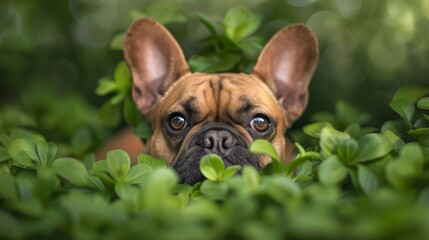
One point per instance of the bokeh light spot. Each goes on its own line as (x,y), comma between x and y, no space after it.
(387,50)
(425,8)
(325,24)
(348,8)
(300,3)
(401,12)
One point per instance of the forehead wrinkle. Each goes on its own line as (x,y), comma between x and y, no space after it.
(246,101)
(246,105)
(226,99)
(189,106)
(204,101)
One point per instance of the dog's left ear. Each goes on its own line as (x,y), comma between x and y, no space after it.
(286,64)
(155,60)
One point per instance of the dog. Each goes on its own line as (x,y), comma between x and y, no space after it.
(194,114)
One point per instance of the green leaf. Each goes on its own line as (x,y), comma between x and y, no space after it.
(264,147)
(22,152)
(356,132)
(4,154)
(280,188)
(71,170)
(314,129)
(143,130)
(137,174)
(214,190)
(214,63)
(195,191)
(396,142)
(46,184)
(105,86)
(398,127)
(110,114)
(419,132)
(402,172)
(372,146)
(45,152)
(251,177)
(117,42)
(329,139)
(412,153)
(100,170)
(81,140)
(95,183)
(332,171)
(158,189)
(131,115)
(239,23)
(151,161)
(347,150)
(118,98)
(405,108)
(127,192)
(229,172)
(122,77)
(411,93)
(423,103)
(296,162)
(8,189)
(118,163)
(424,140)
(210,25)
(368,181)
(323,194)
(211,166)
(304,172)
(251,46)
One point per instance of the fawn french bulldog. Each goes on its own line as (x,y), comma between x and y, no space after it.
(193,114)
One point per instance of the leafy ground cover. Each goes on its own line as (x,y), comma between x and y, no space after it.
(355,182)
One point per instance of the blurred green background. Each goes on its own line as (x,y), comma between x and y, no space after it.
(368,48)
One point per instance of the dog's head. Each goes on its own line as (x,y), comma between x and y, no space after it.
(193,114)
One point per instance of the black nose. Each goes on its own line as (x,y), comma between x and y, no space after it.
(218,141)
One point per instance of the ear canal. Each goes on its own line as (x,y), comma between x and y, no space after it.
(286,65)
(155,60)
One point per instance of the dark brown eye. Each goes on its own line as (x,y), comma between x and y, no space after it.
(260,124)
(177,122)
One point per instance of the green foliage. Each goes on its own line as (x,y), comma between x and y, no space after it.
(213,168)
(230,49)
(360,185)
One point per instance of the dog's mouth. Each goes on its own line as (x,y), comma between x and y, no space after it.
(216,138)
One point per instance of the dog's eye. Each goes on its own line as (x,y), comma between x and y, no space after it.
(177,122)
(260,124)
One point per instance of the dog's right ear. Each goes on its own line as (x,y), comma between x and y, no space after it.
(155,60)
(287,64)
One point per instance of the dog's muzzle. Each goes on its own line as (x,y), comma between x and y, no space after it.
(217,138)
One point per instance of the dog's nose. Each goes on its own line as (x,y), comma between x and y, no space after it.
(218,141)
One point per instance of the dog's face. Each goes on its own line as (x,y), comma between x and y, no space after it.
(193,114)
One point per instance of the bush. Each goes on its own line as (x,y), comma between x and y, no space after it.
(354,183)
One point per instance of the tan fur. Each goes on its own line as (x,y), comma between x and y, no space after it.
(278,86)
(219,106)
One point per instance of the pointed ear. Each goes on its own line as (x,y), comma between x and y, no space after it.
(286,64)
(155,60)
